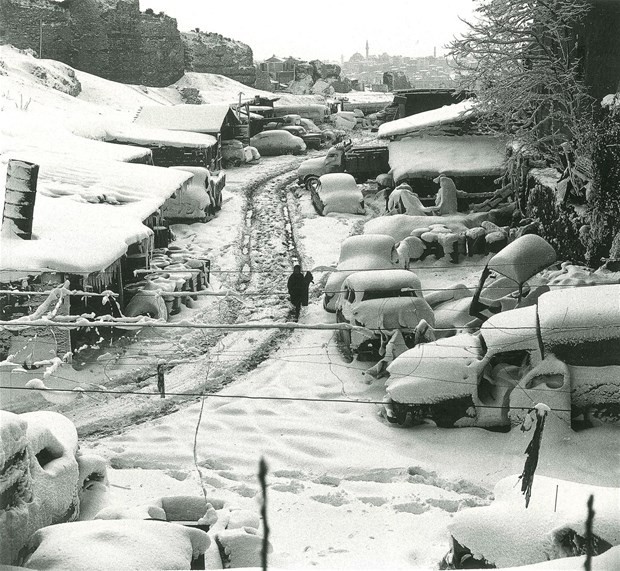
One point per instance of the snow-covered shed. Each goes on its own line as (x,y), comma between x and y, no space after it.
(87,216)
(168,147)
(443,141)
(217,120)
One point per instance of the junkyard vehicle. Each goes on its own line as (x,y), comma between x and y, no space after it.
(316,112)
(507,534)
(502,286)
(312,140)
(364,252)
(380,300)
(337,193)
(232,153)
(277,142)
(200,200)
(563,351)
(362,162)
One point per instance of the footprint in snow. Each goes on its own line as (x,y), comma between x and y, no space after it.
(335,499)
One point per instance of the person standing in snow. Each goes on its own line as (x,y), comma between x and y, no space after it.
(446,199)
(298,286)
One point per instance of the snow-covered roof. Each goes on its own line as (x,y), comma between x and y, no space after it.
(86,212)
(195,118)
(22,132)
(429,156)
(373,249)
(153,136)
(384,280)
(432,118)
(569,315)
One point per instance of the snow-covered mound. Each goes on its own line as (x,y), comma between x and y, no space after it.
(507,534)
(116,544)
(38,476)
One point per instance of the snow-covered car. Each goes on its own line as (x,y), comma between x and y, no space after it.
(381,300)
(312,140)
(506,534)
(277,142)
(364,252)
(232,153)
(502,286)
(188,203)
(337,192)
(563,351)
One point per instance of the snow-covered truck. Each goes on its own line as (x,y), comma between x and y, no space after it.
(363,163)
(564,352)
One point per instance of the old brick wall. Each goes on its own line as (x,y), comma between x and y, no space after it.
(109,38)
(212,53)
(20,25)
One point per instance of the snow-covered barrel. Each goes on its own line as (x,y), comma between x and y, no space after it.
(21,191)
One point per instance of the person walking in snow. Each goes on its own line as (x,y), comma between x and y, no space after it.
(298,286)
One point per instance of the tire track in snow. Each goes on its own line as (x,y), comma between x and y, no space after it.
(267,246)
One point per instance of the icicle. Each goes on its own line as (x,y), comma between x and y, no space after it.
(533,448)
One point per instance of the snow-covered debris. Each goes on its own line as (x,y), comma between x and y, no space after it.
(612,100)
(86,212)
(429,156)
(116,544)
(432,118)
(39,476)
(507,534)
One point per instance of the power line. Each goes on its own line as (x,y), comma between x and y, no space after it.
(137,323)
(246,397)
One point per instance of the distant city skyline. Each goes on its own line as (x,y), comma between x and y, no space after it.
(324,29)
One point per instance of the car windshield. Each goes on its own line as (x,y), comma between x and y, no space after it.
(381,293)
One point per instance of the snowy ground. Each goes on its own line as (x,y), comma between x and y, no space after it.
(346,490)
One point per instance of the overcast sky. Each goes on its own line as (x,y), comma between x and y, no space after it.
(324,29)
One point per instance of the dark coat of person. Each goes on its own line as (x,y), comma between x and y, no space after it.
(298,285)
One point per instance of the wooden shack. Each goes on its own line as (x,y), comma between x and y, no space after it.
(219,121)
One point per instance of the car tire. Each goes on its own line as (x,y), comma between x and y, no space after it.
(311,182)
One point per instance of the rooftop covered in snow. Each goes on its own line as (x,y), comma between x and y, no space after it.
(152,136)
(429,156)
(414,123)
(23,132)
(195,118)
(87,212)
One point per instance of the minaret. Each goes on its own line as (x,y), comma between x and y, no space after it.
(366,49)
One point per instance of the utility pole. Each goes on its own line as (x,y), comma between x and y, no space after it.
(40,39)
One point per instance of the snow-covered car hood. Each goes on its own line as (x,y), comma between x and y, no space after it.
(392,313)
(434,372)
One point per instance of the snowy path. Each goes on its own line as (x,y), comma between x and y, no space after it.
(262,245)
(346,489)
